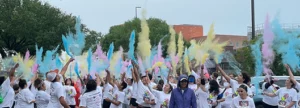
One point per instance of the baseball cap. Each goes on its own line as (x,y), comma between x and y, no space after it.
(182,79)
(51,76)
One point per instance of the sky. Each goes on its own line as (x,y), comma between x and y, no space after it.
(229,16)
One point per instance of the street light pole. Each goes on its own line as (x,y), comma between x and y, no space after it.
(253,19)
(136,11)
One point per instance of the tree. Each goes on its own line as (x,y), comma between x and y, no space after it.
(92,39)
(25,24)
(120,34)
(246,59)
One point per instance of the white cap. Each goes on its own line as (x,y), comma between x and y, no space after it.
(51,76)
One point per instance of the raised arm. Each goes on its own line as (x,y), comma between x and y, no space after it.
(108,78)
(223,73)
(135,71)
(34,78)
(65,68)
(12,72)
(202,72)
(98,79)
(290,73)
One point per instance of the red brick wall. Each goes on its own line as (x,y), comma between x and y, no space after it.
(189,31)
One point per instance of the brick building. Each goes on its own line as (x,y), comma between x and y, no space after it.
(189,31)
(236,41)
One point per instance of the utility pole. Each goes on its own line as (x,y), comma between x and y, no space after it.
(253,19)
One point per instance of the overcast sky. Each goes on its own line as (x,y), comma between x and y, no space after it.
(229,16)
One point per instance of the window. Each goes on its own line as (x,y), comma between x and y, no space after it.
(237,44)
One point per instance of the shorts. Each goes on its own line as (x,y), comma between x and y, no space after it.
(106,104)
(133,102)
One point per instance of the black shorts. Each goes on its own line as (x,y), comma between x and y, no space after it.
(106,104)
(269,106)
(133,102)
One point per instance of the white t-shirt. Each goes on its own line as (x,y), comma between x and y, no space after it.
(7,93)
(70,95)
(128,94)
(162,99)
(91,99)
(298,103)
(134,90)
(238,102)
(144,93)
(57,91)
(118,96)
(48,86)
(42,99)
(23,99)
(286,96)
(193,87)
(99,89)
(32,88)
(228,98)
(298,88)
(201,98)
(212,98)
(152,84)
(235,85)
(108,91)
(273,101)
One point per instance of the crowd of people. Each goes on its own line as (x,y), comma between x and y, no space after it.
(196,90)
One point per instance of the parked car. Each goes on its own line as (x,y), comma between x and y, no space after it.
(258,93)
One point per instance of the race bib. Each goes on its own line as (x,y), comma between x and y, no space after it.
(209,101)
(146,96)
(244,104)
(282,103)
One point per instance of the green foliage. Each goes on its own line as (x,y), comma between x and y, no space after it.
(92,39)
(246,59)
(120,34)
(23,25)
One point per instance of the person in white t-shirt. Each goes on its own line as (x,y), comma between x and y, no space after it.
(269,87)
(242,100)
(297,84)
(25,97)
(287,96)
(128,92)
(107,93)
(42,98)
(201,92)
(214,91)
(163,97)
(57,92)
(227,96)
(70,93)
(192,82)
(118,96)
(92,97)
(242,79)
(48,84)
(7,93)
